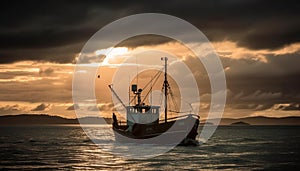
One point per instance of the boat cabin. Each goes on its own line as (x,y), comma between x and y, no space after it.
(141,113)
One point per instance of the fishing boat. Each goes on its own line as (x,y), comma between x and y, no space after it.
(143,123)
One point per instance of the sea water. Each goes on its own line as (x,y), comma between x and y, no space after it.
(63,147)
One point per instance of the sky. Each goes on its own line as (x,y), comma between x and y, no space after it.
(258,43)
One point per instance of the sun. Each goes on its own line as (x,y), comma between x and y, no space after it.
(113,55)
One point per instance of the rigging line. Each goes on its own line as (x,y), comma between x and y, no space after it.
(132,99)
(151,88)
(192,109)
(174,103)
(161,96)
(172,98)
(116,95)
(160,100)
(156,75)
(150,94)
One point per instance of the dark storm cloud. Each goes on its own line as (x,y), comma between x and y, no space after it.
(51,31)
(10,108)
(251,106)
(46,71)
(36,83)
(56,30)
(73,107)
(259,85)
(280,74)
(102,107)
(106,107)
(255,84)
(41,107)
(144,40)
(253,24)
(289,107)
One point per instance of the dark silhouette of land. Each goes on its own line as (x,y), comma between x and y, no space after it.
(207,123)
(43,119)
(240,123)
(261,120)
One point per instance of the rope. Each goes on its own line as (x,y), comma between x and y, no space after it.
(157,76)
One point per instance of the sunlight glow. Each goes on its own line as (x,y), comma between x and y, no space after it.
(113,55)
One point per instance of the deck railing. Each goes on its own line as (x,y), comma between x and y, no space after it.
(169,119)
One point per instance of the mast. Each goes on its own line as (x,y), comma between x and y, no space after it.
(166,84)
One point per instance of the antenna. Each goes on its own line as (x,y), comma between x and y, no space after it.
(137,71)
(166,85)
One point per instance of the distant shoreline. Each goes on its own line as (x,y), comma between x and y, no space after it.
(44,119)
(258,120)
